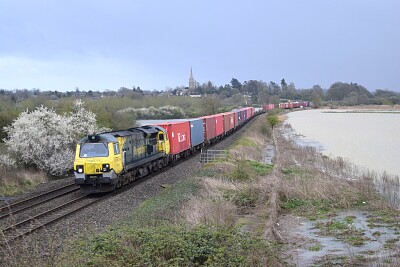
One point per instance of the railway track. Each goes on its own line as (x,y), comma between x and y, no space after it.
(13,208)
(40,220)
(24,216)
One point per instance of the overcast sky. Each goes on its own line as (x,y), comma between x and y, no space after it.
(98,45)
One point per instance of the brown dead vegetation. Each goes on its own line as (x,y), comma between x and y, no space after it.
(225,201)
(15,181)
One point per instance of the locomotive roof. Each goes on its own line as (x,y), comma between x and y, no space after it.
(144,130)
(103,137)
(111,136)
(148,129)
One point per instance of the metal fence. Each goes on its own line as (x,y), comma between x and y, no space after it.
(209,155)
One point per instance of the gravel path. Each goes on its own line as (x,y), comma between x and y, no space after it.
(97,217)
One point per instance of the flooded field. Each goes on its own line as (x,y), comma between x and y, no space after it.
(351,237)
(370,140)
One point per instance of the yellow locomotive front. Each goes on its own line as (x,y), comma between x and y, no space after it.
(98,162)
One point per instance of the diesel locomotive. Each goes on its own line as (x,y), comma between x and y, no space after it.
(106,161)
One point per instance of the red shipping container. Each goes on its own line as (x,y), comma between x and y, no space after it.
(229,121)
(248,113)
(178,135)
(209,127)
(236,118)
(219,124)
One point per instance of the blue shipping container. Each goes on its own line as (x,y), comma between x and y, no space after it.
(239,116)
(196,132)
(244,115)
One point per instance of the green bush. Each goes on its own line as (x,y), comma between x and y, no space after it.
(245,169)
(273,120)
(246,142)
(292,203)
(244,198)
(241,172)
(175,246)
(259,167)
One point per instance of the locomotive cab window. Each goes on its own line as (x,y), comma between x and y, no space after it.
(91,150)
(116,149)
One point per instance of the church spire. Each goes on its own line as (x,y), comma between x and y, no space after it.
(191,80)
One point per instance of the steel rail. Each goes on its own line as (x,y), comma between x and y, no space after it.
(14,204)
(19,225)
(12,212)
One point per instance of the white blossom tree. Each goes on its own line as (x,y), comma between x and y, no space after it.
(47,140)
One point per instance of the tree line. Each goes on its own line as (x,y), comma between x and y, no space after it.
(118,109)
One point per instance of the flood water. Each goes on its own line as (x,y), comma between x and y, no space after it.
(369,140)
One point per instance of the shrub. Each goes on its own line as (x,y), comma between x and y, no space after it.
(245,169)
(265,130)
(47,140)
(240,173)
(175,246)
(259,167)
(165,112)
(245,198)
(273,120)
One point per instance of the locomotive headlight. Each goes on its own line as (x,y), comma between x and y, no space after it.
(79,168)
(105,167)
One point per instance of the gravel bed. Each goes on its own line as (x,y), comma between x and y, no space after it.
(98,216)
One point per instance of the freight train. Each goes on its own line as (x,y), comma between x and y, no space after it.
(296,104)
(104,162)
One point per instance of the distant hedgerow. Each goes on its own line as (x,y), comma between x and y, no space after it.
(166,112)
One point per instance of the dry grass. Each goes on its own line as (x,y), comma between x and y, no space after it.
(224,201)
(372,107)
(209,206)
(16,181)
(250,145)
(310,175)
